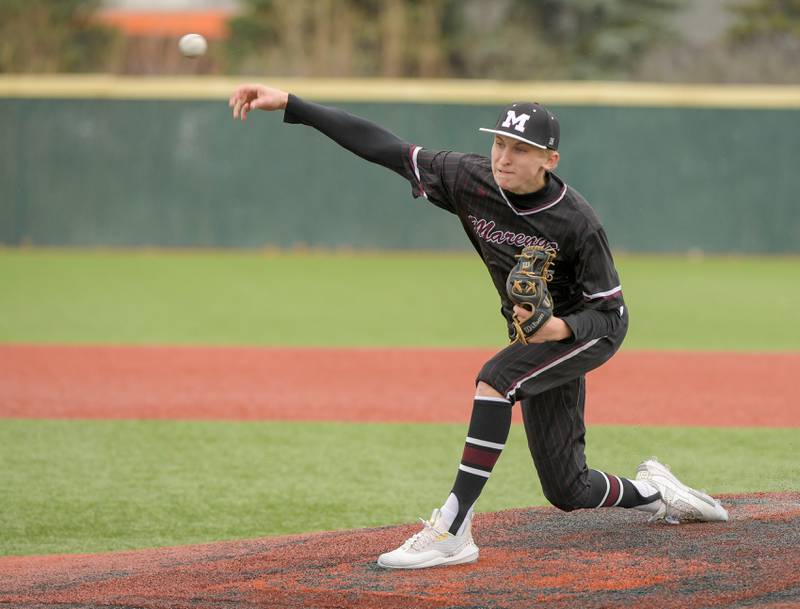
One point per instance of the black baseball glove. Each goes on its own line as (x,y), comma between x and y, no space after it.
(526,286)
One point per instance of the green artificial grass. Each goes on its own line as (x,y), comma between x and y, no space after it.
(90,486)
(349,299)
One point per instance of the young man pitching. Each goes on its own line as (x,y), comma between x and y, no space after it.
(550,261)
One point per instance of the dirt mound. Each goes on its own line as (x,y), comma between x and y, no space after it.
(534,557)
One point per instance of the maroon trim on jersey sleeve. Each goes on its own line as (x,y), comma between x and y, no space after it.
(433,174)
(413,151)
(612,294)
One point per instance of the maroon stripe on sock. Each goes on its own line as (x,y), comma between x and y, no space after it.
(613,492)
(477,456)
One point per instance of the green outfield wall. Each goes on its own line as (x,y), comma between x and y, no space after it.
(143,164)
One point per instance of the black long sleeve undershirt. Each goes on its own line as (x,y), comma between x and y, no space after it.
(358,135)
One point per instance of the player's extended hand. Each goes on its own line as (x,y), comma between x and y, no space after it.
(256,97)
(554,328)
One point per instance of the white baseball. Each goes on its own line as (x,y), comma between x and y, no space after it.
(192,45)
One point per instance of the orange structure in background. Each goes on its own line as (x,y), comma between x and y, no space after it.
(211,23)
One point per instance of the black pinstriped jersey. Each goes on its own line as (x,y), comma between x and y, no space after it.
(586,289)
(500,224)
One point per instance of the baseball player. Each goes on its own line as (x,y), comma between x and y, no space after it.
(550,261)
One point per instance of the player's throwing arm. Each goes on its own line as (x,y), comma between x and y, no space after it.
(256,97)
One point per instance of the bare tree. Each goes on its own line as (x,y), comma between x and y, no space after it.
(53,36)
(394,42)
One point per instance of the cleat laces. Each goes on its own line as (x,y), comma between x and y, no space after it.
(424,537)
(427,535)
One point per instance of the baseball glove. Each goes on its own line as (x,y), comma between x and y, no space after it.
(526,286)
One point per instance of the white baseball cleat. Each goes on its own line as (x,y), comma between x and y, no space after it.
(433,546)
(680,503)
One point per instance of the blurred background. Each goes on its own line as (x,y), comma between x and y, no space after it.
(709,41)
(680,118)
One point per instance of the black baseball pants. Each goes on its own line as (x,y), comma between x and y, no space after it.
(549,382)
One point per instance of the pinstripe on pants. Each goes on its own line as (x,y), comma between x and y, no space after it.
(549,382)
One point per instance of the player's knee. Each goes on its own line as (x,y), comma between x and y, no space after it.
(489,381)
(487,391)
(565,505)
(566,502)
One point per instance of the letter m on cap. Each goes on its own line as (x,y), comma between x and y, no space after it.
(517,121)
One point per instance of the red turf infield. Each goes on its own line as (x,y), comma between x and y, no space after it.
(430,385)
(529,558)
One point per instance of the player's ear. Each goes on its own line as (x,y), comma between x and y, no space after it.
(552,161)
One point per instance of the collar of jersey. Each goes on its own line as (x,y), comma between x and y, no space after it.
(542,206)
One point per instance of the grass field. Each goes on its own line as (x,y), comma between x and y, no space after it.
(79,486)
(88,486)
(381,300)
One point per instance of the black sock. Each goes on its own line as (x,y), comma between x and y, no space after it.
(488,432)
(609,490)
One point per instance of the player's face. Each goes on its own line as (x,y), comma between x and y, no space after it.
(519,167)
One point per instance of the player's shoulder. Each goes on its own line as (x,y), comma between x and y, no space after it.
(476,163)
(468,167)
(452,158)
(473,158)
(468,160)
(579,208)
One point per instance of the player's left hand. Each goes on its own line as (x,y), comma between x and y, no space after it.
(553,329)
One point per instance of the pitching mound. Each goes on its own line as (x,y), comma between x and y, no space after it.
(529,557)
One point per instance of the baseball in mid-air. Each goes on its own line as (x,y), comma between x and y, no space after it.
(193,45)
